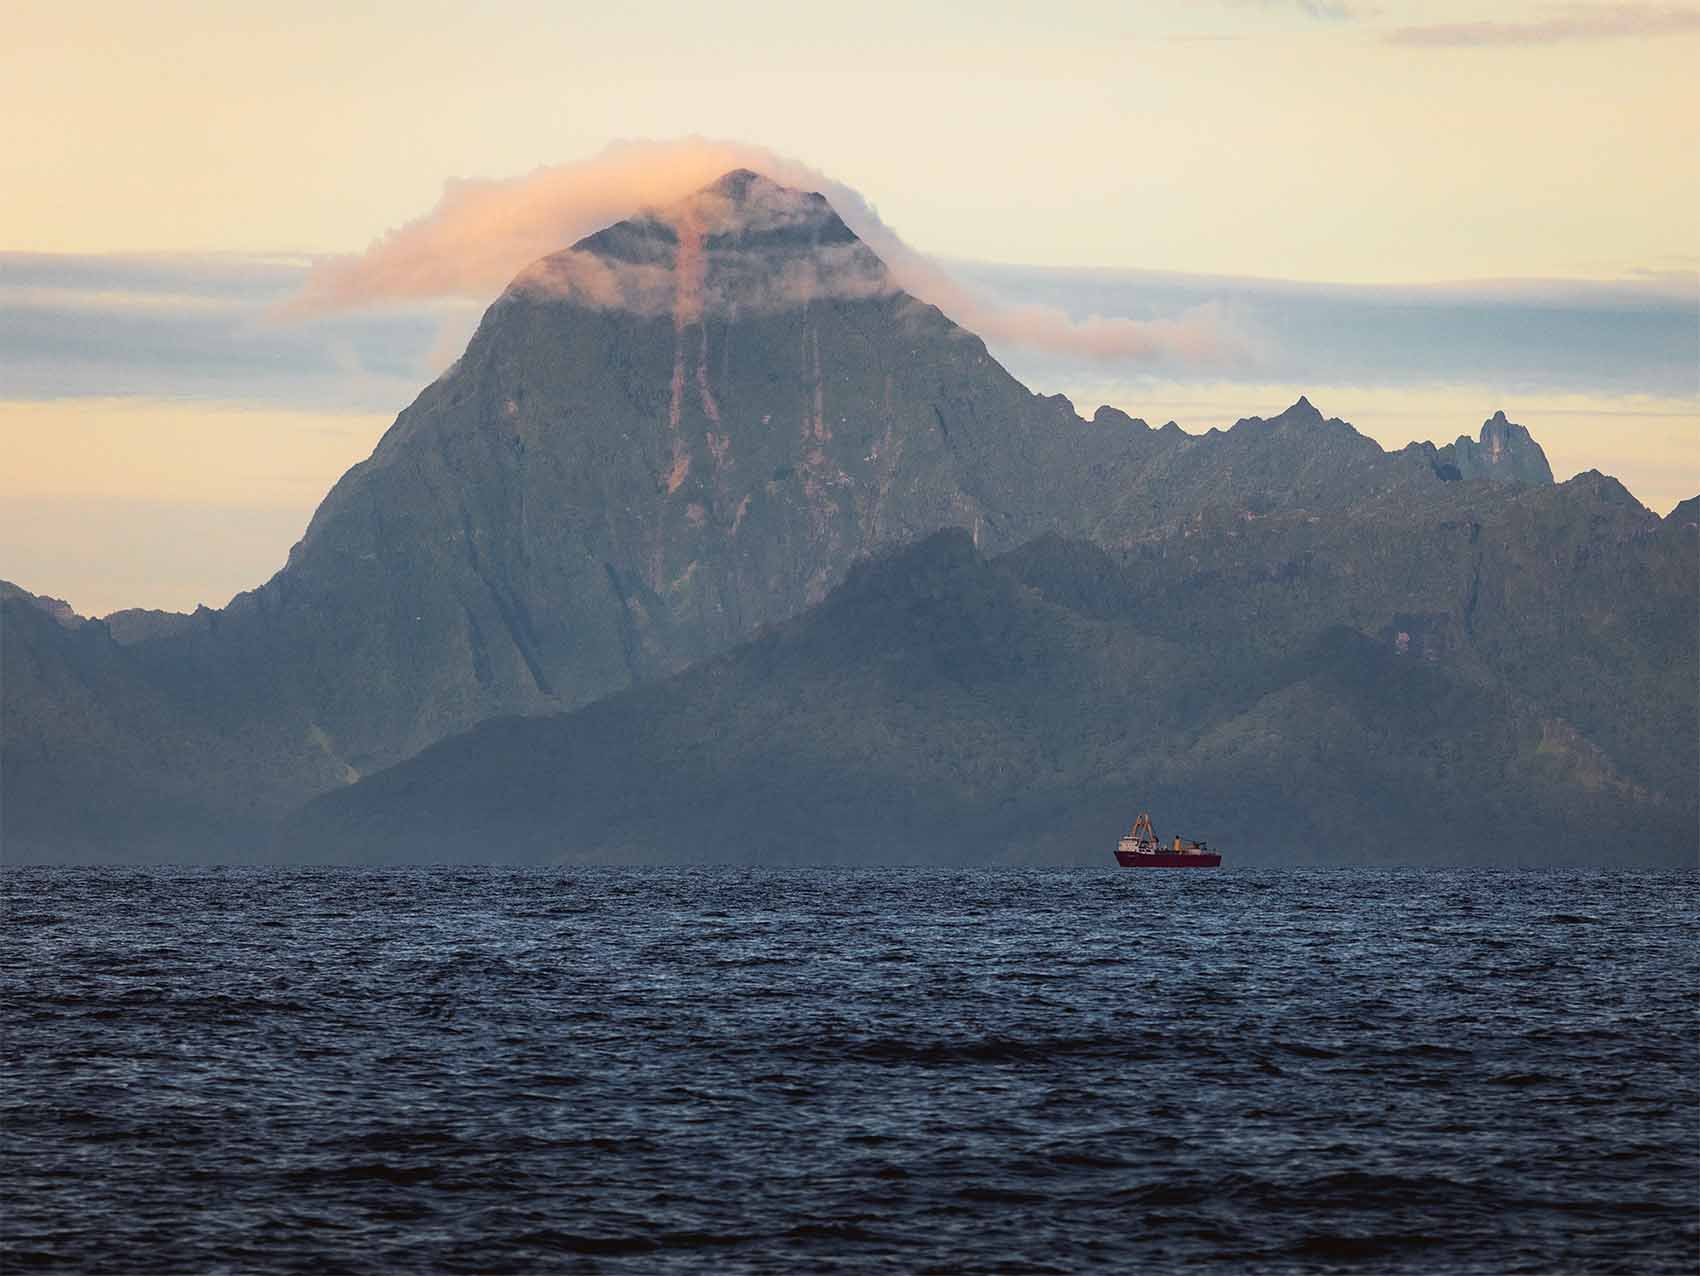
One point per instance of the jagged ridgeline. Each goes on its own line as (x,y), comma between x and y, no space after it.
(690,426)
(940,707)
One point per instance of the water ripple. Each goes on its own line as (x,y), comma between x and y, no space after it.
(479,1070)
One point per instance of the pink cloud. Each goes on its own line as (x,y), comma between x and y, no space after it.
(485,232)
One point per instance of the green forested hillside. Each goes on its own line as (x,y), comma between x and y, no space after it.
(940,707)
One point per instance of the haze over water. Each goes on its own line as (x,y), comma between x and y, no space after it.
(745,1070)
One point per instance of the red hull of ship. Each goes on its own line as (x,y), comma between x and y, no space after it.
(1166,859)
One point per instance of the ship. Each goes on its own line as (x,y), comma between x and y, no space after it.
(1141,849)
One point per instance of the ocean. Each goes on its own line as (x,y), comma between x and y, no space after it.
(743,1070)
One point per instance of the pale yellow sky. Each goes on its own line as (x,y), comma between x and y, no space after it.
(1231,138)
(129,448)
(113,503)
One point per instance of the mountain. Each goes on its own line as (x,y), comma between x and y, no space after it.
(681,429)
(940,707)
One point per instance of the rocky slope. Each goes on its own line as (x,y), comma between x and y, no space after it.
(943,708)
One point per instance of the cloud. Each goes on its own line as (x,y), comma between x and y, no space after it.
(1201,335)
(485,232)
(1629,336)
(236,277)
(75,326)
(198,327)
(1569,23)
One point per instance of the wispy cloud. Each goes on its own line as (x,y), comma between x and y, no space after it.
(1630,336)
(191,326)
(1568,23)
(197,328)
(482,234)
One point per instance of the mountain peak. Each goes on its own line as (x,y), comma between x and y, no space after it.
(1302,410)
(743,244)
(1507,451)
(737,180)
(744,184)
(1504,452)
(746,209)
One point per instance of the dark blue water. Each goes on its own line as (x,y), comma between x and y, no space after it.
(689,1070)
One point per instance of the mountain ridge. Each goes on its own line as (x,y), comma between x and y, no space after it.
(942,708)
(681,429)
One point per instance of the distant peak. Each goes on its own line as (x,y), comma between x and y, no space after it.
(1301,411)
(1497,426)
(1108,416)
(744,195)
(60,610)
(745,208)
(741,183)
(743,244)
(1504,451)
(738,179)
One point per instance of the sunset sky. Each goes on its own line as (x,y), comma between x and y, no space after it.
(1413,213)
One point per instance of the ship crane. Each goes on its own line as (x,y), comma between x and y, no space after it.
(1140,849)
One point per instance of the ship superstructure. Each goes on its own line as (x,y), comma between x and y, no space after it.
(1141,848)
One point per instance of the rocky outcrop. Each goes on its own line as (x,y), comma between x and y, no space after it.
(61,612)
(1505,453)
(138,624)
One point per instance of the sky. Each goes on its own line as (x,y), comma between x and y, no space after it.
(237,238)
